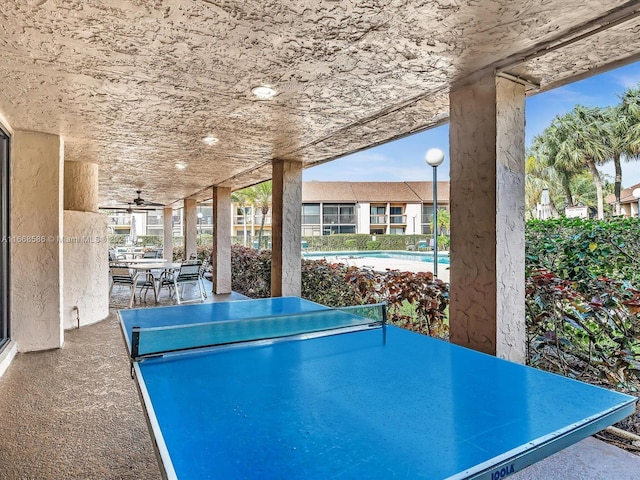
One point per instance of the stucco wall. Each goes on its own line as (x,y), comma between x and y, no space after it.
(190,227)
(81,186)
(487,217)
(221,240)
(286,227)
(86,268)
(36,251)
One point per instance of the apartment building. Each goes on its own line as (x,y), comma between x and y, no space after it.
(376,208)
(395,208)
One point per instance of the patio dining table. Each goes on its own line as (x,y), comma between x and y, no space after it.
(134,261)
(143,268)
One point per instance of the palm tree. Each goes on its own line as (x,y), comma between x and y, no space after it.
(585,143)
(259,196)
(624,134)
(545,151)
(241,198)
(444,220)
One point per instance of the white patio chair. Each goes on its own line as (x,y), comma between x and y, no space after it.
(122,276)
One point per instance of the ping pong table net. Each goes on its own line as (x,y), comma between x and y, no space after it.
(154,341)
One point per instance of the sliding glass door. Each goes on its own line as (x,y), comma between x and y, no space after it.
(4,240)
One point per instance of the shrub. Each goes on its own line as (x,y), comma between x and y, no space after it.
(358,241)
(581,304)
(325,283)
(371,245)
(337,285)
(251,271)
(590,331)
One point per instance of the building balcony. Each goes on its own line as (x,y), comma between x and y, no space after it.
(340,219)
(398,219)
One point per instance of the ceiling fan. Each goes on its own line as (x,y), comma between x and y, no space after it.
(141,202)
(138,204)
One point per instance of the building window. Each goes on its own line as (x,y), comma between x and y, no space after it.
(338,218)
(378,215)
(334,229)
(427,218)
(4,246)
(311,214)
(396,216)
(310,230)
(396,230)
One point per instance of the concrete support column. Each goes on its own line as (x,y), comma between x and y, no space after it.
(36,265)
(487,217)
(286,263)
(85,251)
(167,233)
(190,228)
(221,258)
(81,186)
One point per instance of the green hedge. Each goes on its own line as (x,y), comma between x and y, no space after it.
(582,301)
(359,241)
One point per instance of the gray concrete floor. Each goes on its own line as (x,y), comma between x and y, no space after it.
(74,413)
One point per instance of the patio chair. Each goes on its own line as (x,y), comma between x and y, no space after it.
(189,273)
(122,276)
(150,254)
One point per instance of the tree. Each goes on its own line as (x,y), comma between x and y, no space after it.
(259,196)
(548,167)
(444,220)
(241,197)
(624,134)
(585,142)
(539,177)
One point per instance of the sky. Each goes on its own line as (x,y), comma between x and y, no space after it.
(403,159)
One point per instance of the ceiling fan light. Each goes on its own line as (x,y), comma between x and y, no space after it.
(264,92)
(210,140)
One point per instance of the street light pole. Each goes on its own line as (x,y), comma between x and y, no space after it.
(435,157)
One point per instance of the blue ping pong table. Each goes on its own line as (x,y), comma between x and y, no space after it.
(375,402)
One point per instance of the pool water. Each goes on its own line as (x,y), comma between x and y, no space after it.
(443,258)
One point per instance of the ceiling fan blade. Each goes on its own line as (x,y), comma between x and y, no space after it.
(142,202)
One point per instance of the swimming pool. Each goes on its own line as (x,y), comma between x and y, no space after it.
(443,257)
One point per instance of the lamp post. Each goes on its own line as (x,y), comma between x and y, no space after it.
(636,194)
(435,157)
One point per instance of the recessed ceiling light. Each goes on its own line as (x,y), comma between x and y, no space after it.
(264,92)
(210,140)
(181,166)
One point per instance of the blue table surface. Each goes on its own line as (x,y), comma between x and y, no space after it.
(349,406)
(209,312)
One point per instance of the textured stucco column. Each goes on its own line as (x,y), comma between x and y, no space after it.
(85,248)
(487,217)
(36,265)
(81,186)
(86,268)
(167,233)
(190,228)
(286,263)
(221,258)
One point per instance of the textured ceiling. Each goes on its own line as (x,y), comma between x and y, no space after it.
(135,85)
